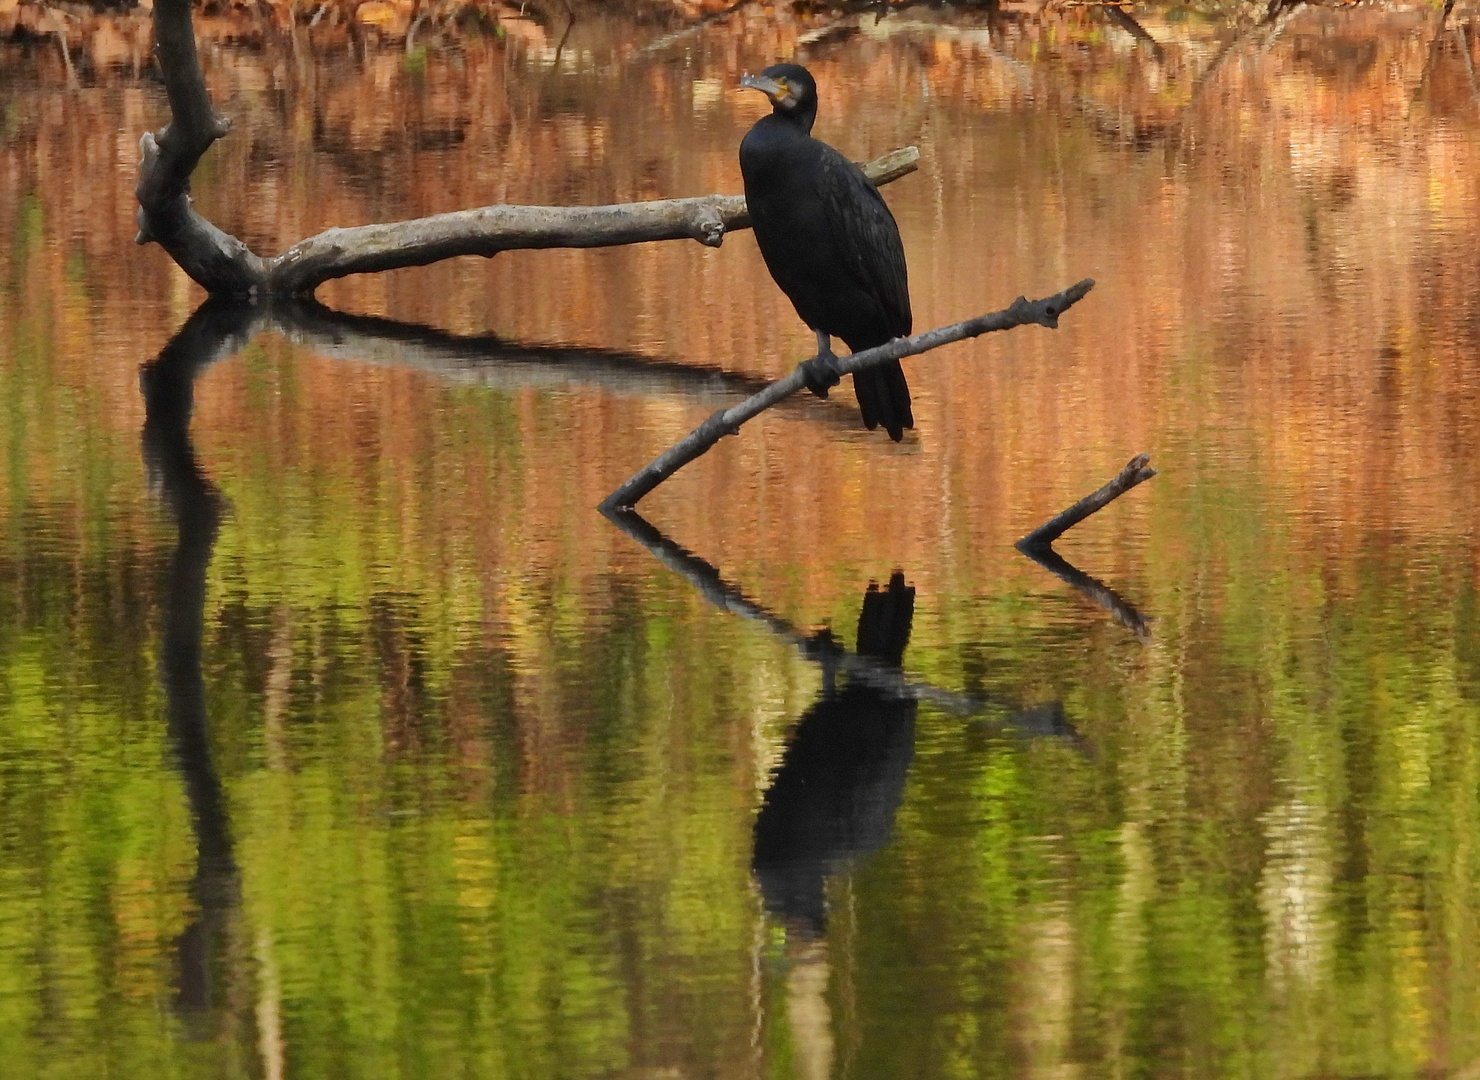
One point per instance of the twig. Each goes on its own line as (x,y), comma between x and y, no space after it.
(1042,538)
(1044,312)
(819,648)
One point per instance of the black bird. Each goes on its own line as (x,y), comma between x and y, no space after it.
(830,242)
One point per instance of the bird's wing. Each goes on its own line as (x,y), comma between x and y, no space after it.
(866,237)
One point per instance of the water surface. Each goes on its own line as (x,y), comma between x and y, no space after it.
(342,737)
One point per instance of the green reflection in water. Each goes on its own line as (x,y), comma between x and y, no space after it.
(457,851)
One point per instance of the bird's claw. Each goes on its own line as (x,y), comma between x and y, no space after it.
(821,373)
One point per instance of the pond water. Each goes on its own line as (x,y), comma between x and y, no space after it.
(340,736)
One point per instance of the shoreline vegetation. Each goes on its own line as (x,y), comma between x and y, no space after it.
(116,33)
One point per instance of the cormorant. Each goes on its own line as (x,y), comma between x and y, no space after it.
(830,242)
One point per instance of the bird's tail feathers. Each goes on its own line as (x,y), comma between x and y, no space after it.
(884,398)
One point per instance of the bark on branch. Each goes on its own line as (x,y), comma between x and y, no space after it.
(488,230)
(1136,471)
(224,266)
(1044,312)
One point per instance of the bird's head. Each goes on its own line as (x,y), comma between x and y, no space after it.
(792,90)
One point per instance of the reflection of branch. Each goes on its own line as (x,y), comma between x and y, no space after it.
(1275,19)
(1096,590)
(1123,19)
(693,29)
(1022,311)
(484,359)
(168,384)
(820,648)
(490,361)
(1464,52)
(1038,545)
(1134,473)
(1434,46)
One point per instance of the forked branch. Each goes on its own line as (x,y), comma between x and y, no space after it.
(224,266)
(724,422)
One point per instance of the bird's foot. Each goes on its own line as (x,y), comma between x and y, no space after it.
(821,372)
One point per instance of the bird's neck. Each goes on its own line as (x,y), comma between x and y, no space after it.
(800,119)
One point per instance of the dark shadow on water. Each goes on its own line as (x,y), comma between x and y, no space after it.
(842,776)
(215,331)
(168,386)
(835,795)
(1093,589)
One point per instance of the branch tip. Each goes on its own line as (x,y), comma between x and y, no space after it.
(1042,538)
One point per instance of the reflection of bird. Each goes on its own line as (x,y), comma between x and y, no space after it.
(838,786)
(830,242)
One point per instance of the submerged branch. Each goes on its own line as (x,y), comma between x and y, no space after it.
(1136,471)
(1038,545)
(1044,312)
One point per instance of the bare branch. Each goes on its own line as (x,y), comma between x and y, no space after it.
(224,266)
(219,262)
(1041,538)
(489,230)
(1044,312)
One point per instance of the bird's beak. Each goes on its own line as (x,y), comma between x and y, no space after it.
(770,87)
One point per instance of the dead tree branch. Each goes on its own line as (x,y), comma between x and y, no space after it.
(488,230)
(1038,545)
(1041,538)
(1044,312)
(224,266)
